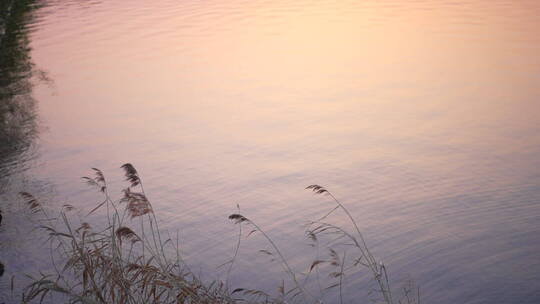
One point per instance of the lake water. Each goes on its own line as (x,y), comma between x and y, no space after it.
(423,117)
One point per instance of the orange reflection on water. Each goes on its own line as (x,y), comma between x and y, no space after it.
(427,109)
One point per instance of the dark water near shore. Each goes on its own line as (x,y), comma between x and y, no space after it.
(422,116)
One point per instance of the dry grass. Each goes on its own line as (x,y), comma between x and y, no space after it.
(114,264)
(122,264)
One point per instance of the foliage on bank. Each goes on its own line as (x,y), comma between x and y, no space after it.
(129,259)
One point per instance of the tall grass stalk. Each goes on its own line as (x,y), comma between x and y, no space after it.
(120,264)
(366,258)
(116,264)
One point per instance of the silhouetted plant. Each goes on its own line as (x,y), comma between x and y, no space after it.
(120,264)
(116,264)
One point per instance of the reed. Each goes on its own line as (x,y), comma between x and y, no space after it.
(121,263)
(116,264)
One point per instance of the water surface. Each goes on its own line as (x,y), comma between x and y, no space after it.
(422,116)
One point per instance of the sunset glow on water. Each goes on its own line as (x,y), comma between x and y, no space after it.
(423,117)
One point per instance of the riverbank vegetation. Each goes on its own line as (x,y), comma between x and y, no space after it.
(129,259)
(17,106)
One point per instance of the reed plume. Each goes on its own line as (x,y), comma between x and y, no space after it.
(121,264)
